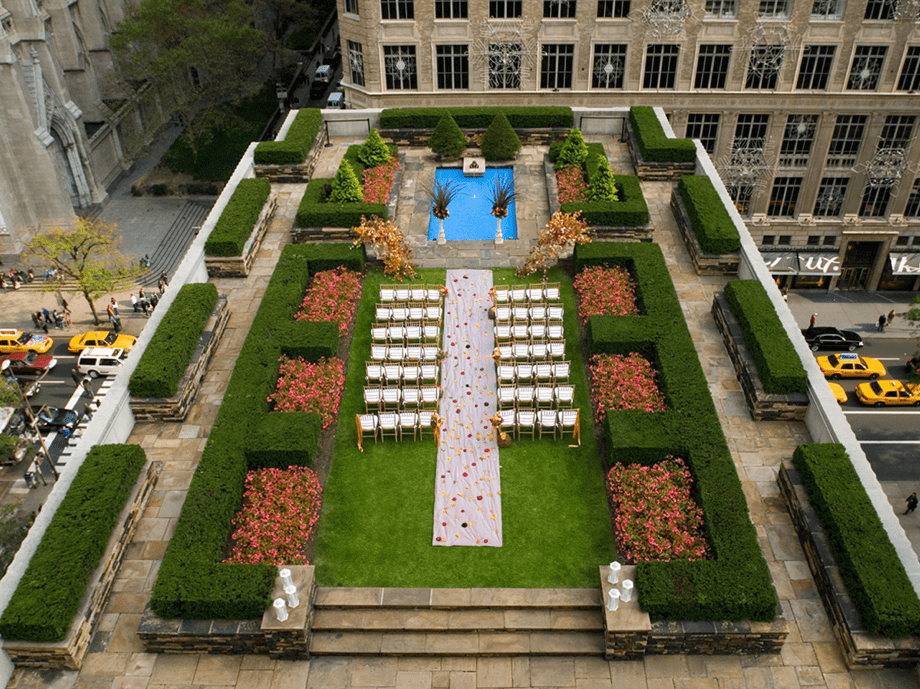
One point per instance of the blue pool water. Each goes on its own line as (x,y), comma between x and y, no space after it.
(470,212)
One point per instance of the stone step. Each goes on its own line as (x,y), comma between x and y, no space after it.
(457,599)
(456,643)
(476,620)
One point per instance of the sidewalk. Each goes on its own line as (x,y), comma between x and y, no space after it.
(857,311)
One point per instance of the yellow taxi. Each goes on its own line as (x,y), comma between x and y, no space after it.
(849,365)
(888,392)
(839,393)
(101,338)
(12,341)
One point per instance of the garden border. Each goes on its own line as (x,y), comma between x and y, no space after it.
(239,266)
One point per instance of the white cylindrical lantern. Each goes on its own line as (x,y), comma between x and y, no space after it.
(627,590)
(613,602)
(285,575)
(293,600)
(280,609)
(614,575)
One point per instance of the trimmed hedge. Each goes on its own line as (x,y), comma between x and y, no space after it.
(351,155)
(234,226)
(736,583)
(167,356)
(293,150)
(654,144)
(712,225)
(312,212)
(778,365)
(630,211)
(192,582)
(48,596)
(478,117)
(331,255)
(500,142)
(869,565)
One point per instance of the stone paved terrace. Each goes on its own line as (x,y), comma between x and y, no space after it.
(810,657)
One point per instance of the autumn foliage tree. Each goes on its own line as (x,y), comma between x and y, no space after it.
(388,242)
(564,230)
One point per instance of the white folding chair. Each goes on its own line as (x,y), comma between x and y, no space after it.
(431,395)
(519,293)
(556,349)
(543,372)
(417,311)
(372,372)
(433,313)
(501,294)
(524,372)
(391,397)
(411,396)
(520,312)
(430,373)
(402,293)
(538,312)
(399,312)
(525,422)
(569,422)
(387,293)
(520,331)
(417,293)
(431,333)
(555,312)
(396,333)
(413,353)
(538,330)
(551,291)
(392,373)
(507,417)
(502,332)
(408,423)
(380,333)
(538,351)
(534,293)
(502,314)
(372,399)
(506,396)
(411,372)
(433,294)
(413,332)
(396,353)
(505,351)
(561,371)
(524,396)
(367,428)
(424,423)
(565,396)
(389,425)
(506,373)
(382,312)
(429,353)
(520,350)
(378,352)
(546,421)
(554,331)
(545,398)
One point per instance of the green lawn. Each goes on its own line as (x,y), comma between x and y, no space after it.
(376,527)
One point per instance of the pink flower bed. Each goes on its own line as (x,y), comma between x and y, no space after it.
(378,181)
(656,516)
(571,183)
(603,290)
(308,386)
(624,382)
(332,296)
(280,507)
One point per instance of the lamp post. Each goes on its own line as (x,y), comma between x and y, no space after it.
(27,408)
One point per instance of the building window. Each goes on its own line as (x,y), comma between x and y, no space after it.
(399,65)
(705,127)
(609,65)
(910,70)
(785,240)
(813,240)
(556,67)
(712,66)
(875,202)
(453,64)
(830,240)
(768,240)
(450,9)
(798,140)
(815,69)
(902,241)
(784,197)
(559,9)
(846,140)
(897,132)
(721,9)
(356,61)
(397,9)
(827,9)
(660,66)
(505,65)
(831,194)
(913,201)
(774,8)
(351,6)
(866,67)
(750,132)
(880,9)
(742,194)
(915,241)
(614,9)
(764,66)
(504,9)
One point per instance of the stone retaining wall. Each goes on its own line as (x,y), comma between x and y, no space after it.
(301,172)
(238,266)
(418,136)
(655,171)
(703,263)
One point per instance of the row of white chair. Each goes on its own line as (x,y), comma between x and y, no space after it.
(511,372)
(504,294)
(542,421)
(540,396)
(397,353)
(432,294)
(538,351)
(528,331)
(397,425)
(412,311)
(404,373)
(526,312)
(401,397)
(414,331)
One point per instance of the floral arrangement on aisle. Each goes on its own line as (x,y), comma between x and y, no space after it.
(562,231)
(605,291)
(280,507)
(378,181)
(332,296)
(389,243)
(571,183)
(624,382)
(656,517)
(308,386)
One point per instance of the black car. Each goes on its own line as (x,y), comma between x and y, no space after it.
(912,366)
(55,420)
(825,337)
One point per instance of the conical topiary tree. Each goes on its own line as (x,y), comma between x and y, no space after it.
(345,186)
(574,150)
(500,142)
(374,150)
(603,185)
(447,139)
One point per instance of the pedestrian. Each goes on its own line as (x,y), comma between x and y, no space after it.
(912,503)
(87,387)
(35,320)
(31,275)
(881,323)
(164,277)
(75,374)
(146,306)
(890,317)
(46,313)
(814,319)
(134,303)
(115,306)
(45,324)
(141,295)
(161,284)
(111,313)
(116,323)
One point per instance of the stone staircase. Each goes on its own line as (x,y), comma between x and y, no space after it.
(457,622)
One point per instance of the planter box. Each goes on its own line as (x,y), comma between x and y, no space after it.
(68,654)
(176,408)
(239,266)
(763,407)
(293,174)
(860,649)
(656,171)
(703,263)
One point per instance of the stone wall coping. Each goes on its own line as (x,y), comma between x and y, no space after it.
(627,617)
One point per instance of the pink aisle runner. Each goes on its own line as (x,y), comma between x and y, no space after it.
(467,501)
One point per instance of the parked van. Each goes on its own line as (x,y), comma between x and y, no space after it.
(321,80)
(101,361)
(336,100)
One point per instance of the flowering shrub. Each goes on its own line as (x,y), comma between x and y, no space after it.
(378,181)
(571,183)
(604,291)
(308,386)
(332,297)
(656,516)
(624,382)
(280,507)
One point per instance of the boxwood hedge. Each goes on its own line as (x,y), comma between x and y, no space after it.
(478,117)
(293,150)
(192,582)
(736,583)
(48,596)
(712,225)
(654,145)
(313,212)
(166,357)
(870,566)
(235,224)
(779,367)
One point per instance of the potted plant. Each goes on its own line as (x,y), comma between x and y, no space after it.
(441,196)
(501,197)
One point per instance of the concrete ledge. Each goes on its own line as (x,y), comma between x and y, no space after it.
(703,263)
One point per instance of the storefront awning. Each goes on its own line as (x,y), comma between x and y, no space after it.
(785,262)
(823,263)
(904,264)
